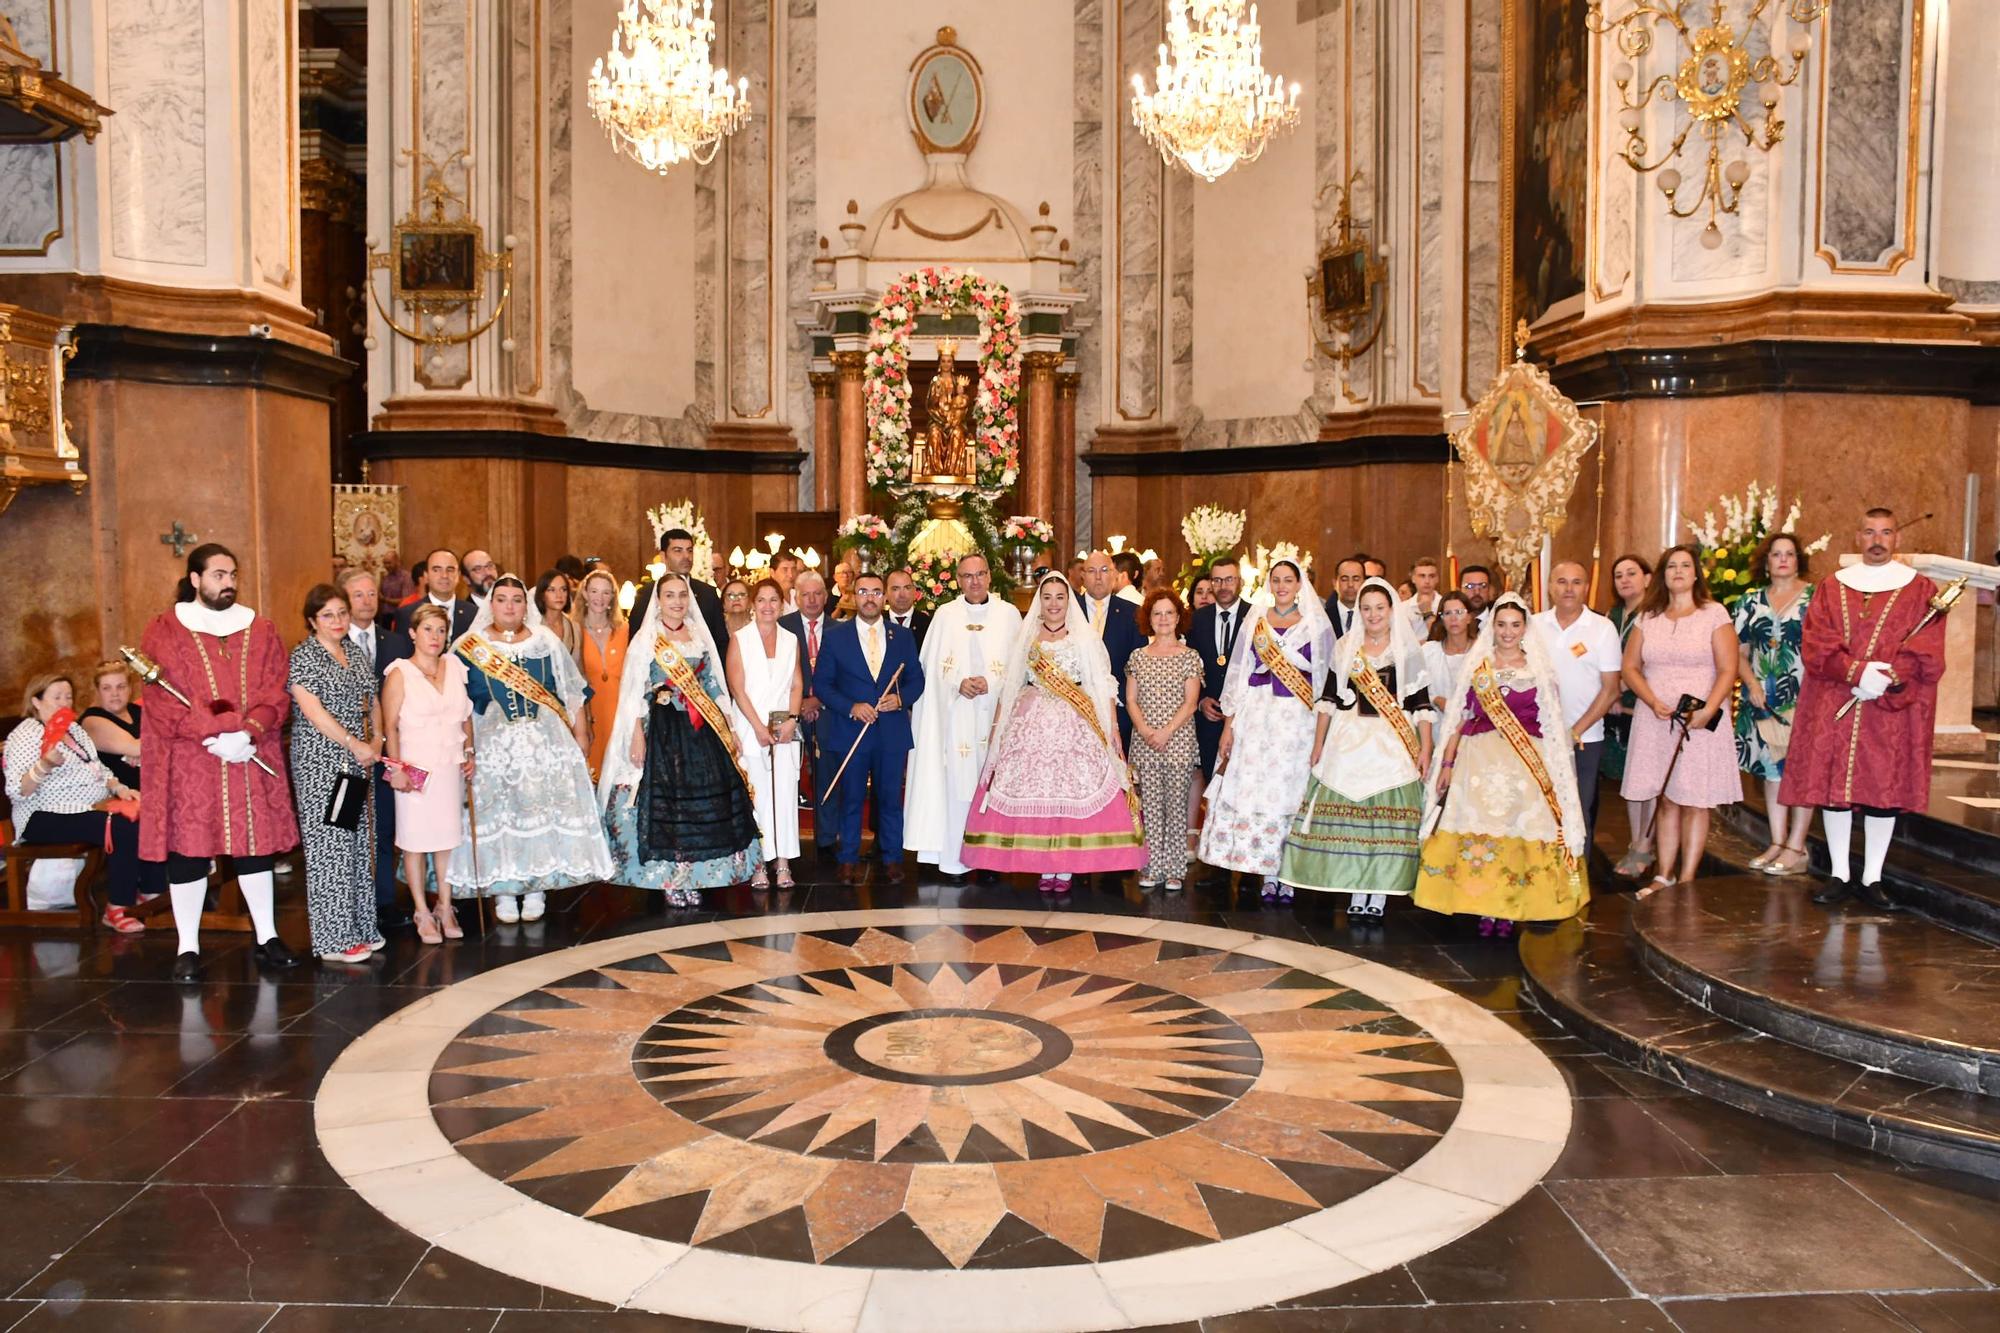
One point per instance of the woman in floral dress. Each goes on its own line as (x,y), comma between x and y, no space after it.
(1265,755)
(1163,682)
(1770,622)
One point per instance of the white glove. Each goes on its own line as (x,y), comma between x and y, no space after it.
(231,747)
(1875,681)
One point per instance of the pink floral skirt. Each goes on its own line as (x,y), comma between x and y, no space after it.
(1052,804)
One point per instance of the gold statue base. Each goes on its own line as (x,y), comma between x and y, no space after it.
(944,534)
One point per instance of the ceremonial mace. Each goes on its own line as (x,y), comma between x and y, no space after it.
(148,671)
(887,690)
(1946,598)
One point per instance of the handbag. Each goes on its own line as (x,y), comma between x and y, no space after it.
(1691,704)
(344,803)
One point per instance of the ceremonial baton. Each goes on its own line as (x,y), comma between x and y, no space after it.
(148,671)
(887,690)
(1946,598)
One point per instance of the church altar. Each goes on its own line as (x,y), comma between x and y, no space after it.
(924,456)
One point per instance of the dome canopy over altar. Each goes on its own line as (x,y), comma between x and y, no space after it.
(246,238)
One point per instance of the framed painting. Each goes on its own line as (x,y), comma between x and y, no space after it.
(1549,124)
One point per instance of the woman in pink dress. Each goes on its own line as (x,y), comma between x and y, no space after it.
(1056,797)
(1684,648)
(427,723)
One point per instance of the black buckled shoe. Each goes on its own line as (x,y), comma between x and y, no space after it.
(277,955)
(1835,892)
(187,967)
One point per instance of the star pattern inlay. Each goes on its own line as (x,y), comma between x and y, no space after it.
(944,1096)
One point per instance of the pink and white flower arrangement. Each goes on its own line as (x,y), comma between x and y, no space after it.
(995,421)
(1027,528)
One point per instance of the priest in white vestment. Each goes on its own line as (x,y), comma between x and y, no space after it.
(964,655)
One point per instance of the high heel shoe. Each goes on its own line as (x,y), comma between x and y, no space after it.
(447,919)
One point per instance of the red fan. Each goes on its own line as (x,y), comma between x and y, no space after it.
(56,729)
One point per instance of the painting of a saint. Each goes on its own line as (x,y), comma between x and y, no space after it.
(1551,153)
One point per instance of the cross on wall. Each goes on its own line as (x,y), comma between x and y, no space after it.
(179,538)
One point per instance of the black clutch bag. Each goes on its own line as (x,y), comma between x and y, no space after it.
(1691,704)
(344,803)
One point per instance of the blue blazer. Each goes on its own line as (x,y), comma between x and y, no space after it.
(841,679)
(1122,637)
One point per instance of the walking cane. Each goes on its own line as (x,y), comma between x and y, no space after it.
(1653,819)
(887,690)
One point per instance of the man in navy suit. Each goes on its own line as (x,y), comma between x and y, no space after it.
(440,586)
(809,624)
(1213,634)
(856,661)
(1116,622)
(379,644)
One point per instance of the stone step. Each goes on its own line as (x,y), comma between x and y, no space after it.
(1893,992)
(1588,976)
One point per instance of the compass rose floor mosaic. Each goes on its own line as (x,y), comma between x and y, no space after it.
(925,1119)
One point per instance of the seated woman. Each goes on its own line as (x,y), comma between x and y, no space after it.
(675,796)
(57,784)
(113,727)
(1509,844)
(1055,797)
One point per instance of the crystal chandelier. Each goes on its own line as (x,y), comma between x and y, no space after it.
(1712,72)
(1214,106)
(660,100)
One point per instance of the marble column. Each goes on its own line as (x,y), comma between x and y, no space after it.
(1968,168)
(1039,451)
(826,440)
(1064,515)
(853,414)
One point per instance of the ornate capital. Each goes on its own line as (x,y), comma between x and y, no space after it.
(848,364)
(822,382)
(1066,384)
(1041,365)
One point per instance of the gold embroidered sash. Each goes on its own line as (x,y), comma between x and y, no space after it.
(1362,676)
(681,674)
(1265,644)
(1502,717)
(495,665)
(1051,677)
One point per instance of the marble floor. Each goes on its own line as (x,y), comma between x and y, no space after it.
(935,1105)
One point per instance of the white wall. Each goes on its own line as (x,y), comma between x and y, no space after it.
(865,151)
(632,243)
(1253,242)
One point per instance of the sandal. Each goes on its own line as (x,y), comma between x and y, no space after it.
(1634,863)
(118,919)
(1659,882)
(1765,857)
(760,878)
(1790,861)
(785,880)
(447,917)
(427,927)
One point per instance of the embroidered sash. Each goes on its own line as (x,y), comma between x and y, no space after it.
(495,665)
(681,674)
(1051,677)
(1265,644)
(1502,717)
(1363,678)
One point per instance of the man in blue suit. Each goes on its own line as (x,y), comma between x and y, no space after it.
(1116,621)
(809,625)
(856,662)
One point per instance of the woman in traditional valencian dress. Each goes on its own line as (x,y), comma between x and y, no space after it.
(1264,758)
(1357,833)
(675,795)
(764,678)
(1055,798)
(534,825)
(1509,843)
(1770,632)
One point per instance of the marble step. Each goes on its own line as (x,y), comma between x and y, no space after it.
(1937,867)
(1588,977)
(1892,992)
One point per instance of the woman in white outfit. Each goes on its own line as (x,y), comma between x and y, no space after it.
(764,679)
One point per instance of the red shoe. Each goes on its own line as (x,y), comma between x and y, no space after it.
(118,919)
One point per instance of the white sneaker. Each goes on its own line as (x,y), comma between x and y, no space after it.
(507,909)
(532,907)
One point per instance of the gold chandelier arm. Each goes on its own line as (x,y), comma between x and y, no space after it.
(389,319)
(449,339)
(1636,162)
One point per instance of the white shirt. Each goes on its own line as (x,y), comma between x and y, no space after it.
(904,619)
(1236,612)
(366,638)
(1581,655)
(1097,610)
(1128,593)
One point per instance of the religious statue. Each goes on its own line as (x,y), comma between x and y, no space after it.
(943,453)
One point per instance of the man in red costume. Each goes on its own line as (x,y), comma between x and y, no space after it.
(1877,759)
(205,795)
